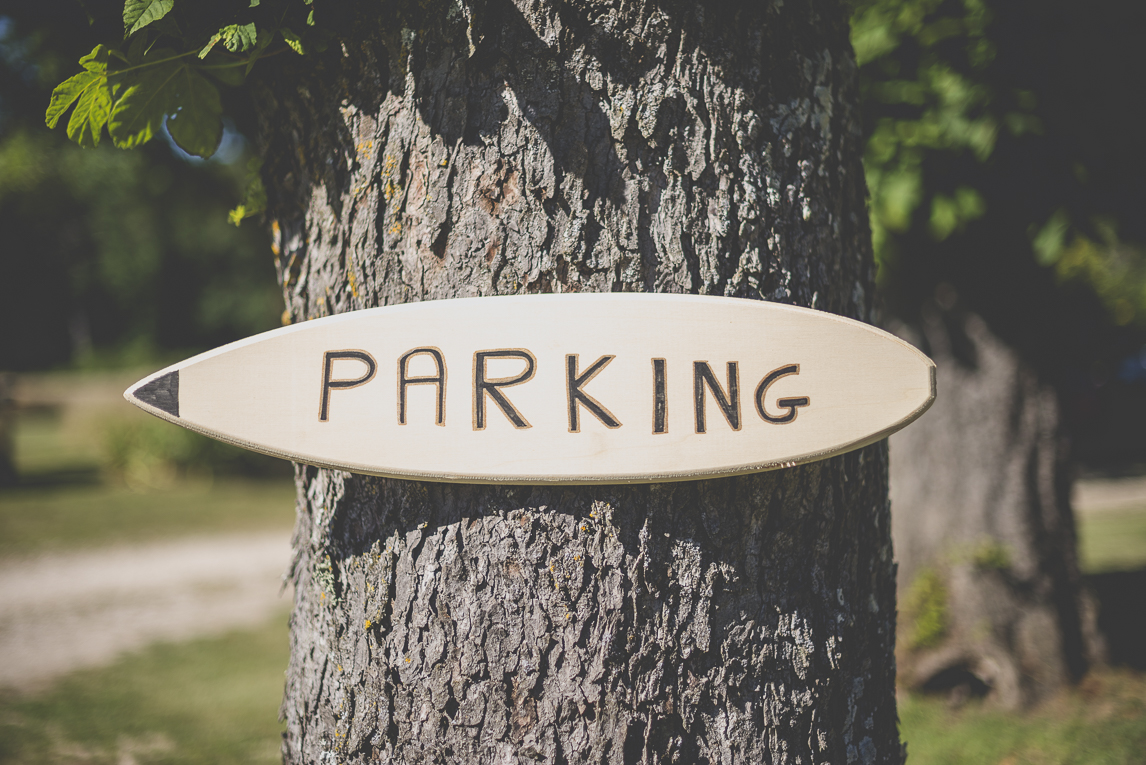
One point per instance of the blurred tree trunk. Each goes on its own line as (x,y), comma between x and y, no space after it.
(8,476)
(984,534)
(448,150)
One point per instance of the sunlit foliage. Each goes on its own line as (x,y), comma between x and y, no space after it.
(959,95)
(110,256)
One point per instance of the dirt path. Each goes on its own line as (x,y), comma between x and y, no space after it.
(1100,495)
(65,611)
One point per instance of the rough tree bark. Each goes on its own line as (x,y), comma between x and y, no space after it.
(457,149)
(992,596)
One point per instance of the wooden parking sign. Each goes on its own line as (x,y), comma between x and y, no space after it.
(553,389)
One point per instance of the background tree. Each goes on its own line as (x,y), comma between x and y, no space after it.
(1005,182)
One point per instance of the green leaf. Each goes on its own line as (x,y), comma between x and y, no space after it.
(224,71)
(167,86)
(137,50)
(139,13)
(264,40)
(215,38)
(239,37)
(89,91)
(197,126)
(255,197)
(236,37)
(90,114)
(239,214)
(150,95)
(293,41)
(96,61)
(254,3)
(67,93)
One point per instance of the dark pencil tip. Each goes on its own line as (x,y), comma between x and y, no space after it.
(161,393)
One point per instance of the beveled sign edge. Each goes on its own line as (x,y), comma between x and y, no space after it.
(441,477)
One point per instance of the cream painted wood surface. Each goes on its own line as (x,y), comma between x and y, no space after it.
(574,389)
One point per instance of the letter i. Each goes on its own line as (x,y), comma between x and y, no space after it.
(660,397)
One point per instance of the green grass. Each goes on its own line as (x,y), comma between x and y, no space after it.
(46,443)
(216,701)
(1103,722)
(1112,541)
(55,517)
(67,498)
(206,701)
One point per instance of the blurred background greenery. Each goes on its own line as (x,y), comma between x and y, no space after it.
(114,264)
(1005,166)
(113,257)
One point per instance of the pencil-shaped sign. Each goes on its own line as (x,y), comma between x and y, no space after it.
(587,388)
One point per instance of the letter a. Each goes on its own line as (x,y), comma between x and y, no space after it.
(439,380)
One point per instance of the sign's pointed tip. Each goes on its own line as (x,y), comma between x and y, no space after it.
(161,393)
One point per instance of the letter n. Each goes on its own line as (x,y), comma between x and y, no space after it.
(702,376)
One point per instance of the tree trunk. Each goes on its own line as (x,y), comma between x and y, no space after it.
(8,476)
(983,528)
(449,150)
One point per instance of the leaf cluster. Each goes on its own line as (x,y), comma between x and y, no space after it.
(927,88)
(925,609)
(1016,117)
(167,69)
